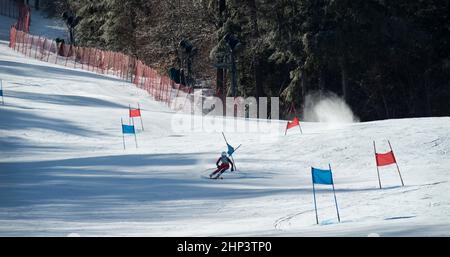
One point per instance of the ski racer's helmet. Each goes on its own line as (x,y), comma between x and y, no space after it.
(224,154)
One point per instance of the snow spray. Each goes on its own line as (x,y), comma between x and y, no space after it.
(327,107)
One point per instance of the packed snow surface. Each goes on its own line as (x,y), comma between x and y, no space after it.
(63,169)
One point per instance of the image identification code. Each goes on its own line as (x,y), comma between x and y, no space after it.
(230,246)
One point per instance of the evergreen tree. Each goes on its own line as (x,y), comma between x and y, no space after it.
(89,31)
(387,59)
(120,26)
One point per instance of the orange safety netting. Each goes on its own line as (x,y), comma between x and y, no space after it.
(129,68)
(162,88)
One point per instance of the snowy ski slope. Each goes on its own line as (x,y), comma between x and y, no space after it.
(63,170)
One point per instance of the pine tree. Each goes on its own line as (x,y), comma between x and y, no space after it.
(120,26)
(93,15)
(387,59)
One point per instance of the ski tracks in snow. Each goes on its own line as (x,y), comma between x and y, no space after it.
(287,218)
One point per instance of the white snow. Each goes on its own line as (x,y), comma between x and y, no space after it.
(63,170)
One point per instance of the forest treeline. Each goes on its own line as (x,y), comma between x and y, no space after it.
(386,59)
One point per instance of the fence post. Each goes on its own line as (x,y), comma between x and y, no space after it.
(28,51)
(145,77)
(66,54)
(124,65)
(110,55)
(24,47)
(13,40)
(114,64)
(171,91)
(166,89)
(16,41)
(89,58)
(20,48)
(75,57)
(56,51)
(161,85)
(82,58)
(95,68)
(127,67)
(37,47)
(102,61)
(120,65)
(94,64)
(45,50)
(94,61)
(154,83)
(41,50)
(108,62)
(31,45)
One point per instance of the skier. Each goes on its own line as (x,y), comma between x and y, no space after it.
(223,166)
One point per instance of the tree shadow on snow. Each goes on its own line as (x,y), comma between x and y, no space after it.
(16,144)
(16,120)
(64,100)
(97,184)
(34,70)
